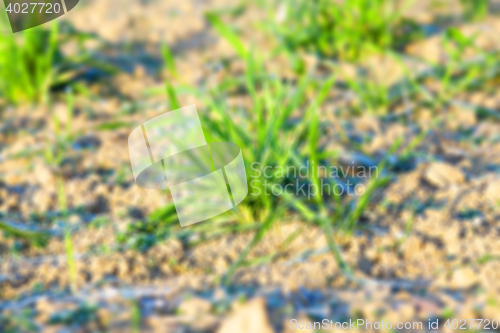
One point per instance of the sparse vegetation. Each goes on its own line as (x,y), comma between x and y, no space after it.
(32,63)
(309,85)
(345,31)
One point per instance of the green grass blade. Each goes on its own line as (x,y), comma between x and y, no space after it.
(228,34)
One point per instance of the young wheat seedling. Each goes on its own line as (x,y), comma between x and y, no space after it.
(54,159)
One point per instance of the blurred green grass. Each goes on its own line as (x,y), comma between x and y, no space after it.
(345,31)
(32,63)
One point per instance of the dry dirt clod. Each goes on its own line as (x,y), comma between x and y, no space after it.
(492,192)
(442,175)
(250,317)
(164,323)
(463,279)
(195,307)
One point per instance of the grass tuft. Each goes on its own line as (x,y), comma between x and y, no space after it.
(32,62)
(347,30)
(266,130)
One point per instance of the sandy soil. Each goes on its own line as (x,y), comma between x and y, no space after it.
(449,193)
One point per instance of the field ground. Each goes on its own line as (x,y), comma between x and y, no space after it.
(425,245)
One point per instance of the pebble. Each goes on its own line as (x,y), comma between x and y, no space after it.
(195,307)
(441,175)
(463,278)
(248,318)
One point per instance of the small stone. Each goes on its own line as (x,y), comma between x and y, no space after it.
(74,220)
(463,279)
(249,318)
(44,175)
(452,153)
(195,307)
(492,192)
(406,311)
(442,175)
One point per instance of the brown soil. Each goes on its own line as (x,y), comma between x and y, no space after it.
(447,263)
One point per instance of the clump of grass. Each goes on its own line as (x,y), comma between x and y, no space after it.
(142,235)
(373,97)
(347,30)
(172,73)
(457,75)
(456,44)
(330,212)
(267,132)
(27,65)
(32,63)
